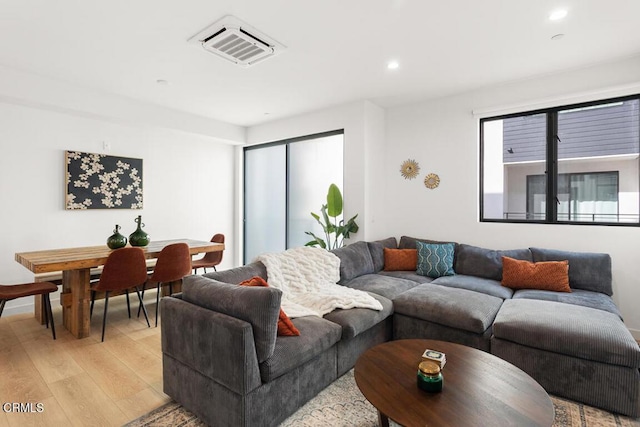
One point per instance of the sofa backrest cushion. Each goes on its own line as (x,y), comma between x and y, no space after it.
(355,260)
(377,251)
(259,306)
(285,325)
(590,271)
(487,263)
(407,242)
(239,274)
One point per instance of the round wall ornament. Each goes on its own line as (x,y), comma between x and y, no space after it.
(409,169)
(431,181)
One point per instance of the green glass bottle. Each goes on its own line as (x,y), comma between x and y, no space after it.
(139,237)
(116,240)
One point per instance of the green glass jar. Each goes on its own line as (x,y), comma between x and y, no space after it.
(430,377)
(116,240)
(139,237)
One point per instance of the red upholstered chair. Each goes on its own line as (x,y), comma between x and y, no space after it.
(9,292)
(211,259)
(124,269)
(174,262)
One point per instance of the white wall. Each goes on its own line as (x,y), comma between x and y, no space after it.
(442,135)
(189,189)
(363,124)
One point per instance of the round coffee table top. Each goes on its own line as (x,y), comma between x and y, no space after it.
(479,388)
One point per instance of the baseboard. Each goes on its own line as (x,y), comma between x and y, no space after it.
(25,308)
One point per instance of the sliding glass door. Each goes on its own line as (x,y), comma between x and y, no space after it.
(284,183)
(265,195)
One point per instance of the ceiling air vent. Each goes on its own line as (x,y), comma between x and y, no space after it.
(237,42)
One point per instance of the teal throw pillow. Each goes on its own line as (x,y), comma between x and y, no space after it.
(435,259)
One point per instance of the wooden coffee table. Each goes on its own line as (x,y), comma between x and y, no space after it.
(479,388)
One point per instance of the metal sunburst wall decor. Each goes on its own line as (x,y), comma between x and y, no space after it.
(409,169)
(431,181)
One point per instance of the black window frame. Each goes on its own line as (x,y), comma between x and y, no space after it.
(551,163)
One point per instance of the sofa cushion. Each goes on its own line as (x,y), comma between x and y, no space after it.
(487,263)
(407,242)
(581,297)
(316,336)
(257,305)
(453,307)
(407,275)
(377,251)
(387,286)
(587,270)
(544,275)
(400,259)
(357,320)
(435,259)
(355,260)
(581,332)
(285,327)
(239,274)
(477,284)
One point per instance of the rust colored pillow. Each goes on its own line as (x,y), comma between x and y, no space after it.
(400,259)
(285,325)
(546,275)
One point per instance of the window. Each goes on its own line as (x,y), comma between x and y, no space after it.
(283,183)
(575,164)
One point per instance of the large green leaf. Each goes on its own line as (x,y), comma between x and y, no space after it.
(317,241)
(334,201)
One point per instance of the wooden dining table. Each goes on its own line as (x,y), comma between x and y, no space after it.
(76,264)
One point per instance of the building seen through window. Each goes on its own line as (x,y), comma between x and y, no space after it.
(576,164)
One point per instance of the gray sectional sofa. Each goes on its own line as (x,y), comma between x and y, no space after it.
(223,361)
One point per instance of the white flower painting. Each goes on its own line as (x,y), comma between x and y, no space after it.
(98,181)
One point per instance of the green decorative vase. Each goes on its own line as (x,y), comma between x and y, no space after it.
(116,240)
(139,237)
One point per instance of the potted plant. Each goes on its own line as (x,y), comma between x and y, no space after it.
(334,231)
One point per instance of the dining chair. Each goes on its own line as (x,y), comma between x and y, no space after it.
(174,263)
(211,259)
(10,292)
(124,269)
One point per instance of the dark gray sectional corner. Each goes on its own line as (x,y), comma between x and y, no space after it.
(223,361)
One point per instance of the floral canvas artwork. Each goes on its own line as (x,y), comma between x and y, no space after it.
(98,181)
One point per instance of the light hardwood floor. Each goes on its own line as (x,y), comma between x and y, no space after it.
(81,382)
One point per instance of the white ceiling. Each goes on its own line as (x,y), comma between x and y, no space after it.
(337,50)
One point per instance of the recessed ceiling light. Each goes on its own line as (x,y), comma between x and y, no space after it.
(393,65)
(557,37)
(558,14)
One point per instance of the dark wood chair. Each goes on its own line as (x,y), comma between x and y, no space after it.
(174,263)
(211,259)
(124,269)
(9,292)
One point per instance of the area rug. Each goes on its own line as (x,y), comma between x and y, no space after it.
(342,405)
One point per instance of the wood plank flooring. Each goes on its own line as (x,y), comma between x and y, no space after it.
(81,382)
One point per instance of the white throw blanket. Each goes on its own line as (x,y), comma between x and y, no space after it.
(308,279)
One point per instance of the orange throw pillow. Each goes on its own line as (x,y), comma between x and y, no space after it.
(285,325)
(546,276)
(400,259)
